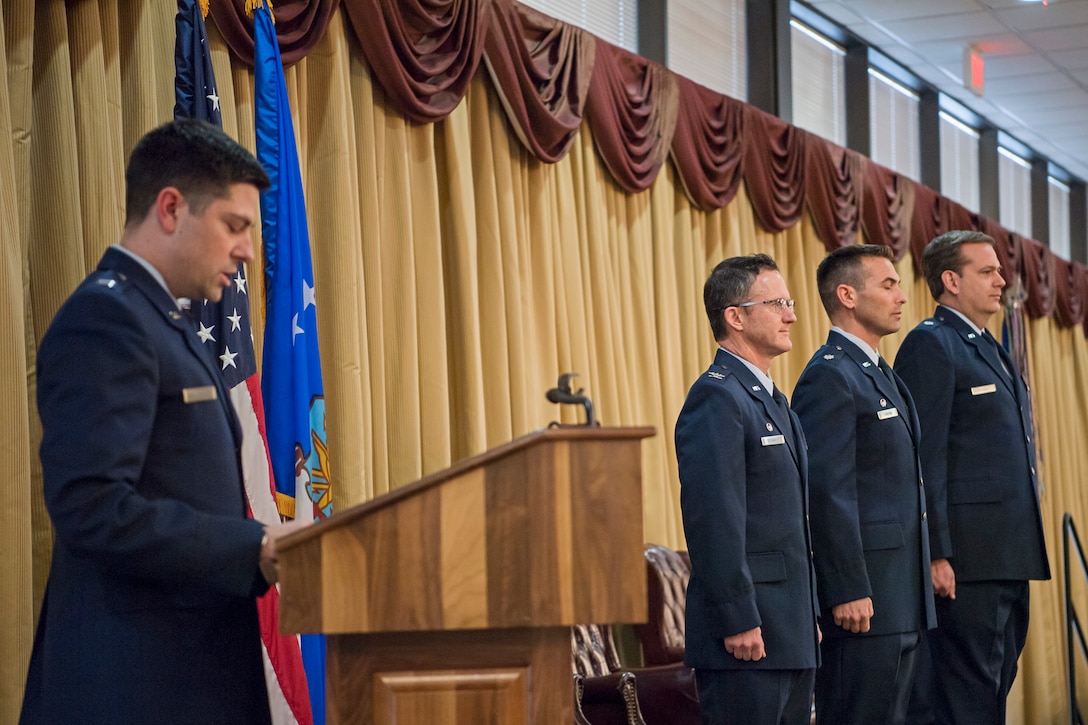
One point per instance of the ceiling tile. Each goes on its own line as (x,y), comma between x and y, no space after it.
(1076,59)
(1059,117)
(941,53)
(899,10)
(1006,45)
(961,26)
(1059,98)
(1047,41)
(1000,66)
(1039,16)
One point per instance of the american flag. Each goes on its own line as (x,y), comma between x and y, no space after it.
(226,326)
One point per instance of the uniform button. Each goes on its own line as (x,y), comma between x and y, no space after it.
(923,516)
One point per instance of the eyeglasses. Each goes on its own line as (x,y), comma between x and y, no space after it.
(780,304)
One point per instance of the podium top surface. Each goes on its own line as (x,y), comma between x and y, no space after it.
(537,437)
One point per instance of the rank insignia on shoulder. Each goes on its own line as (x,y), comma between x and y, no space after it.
(928,322)
(829,357)
(717,376)
(108,282)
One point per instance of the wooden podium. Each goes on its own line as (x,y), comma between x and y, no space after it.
(450,600)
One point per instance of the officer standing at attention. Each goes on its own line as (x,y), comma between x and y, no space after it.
(870,543)
(978,457)
(751,600)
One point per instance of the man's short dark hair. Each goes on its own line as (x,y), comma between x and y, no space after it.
(730,284)
(194,156)
(945,252)
(844,266)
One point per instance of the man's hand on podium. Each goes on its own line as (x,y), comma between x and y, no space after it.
(269,562)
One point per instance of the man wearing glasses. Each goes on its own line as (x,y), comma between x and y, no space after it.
(752,636)
(870,543)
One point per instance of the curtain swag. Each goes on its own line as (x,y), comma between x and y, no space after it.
(551,76)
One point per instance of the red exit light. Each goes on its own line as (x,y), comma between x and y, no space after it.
(974,70)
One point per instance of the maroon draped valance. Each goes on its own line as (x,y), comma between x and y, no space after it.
(1037,269)
(1071,284)
(886,213)
(774,169)
(708,145)
(835,192)
(551,77)
(632,114)
(423,53)
(541,69)
(299,25)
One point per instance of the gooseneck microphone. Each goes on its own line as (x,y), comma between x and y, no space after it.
(563,394)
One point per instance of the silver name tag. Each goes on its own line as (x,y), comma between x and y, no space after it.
(773,440)
(984,389)
(887,413)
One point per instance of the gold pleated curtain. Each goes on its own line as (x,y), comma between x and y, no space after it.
(456,275)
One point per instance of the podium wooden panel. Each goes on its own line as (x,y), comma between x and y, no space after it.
(450,600)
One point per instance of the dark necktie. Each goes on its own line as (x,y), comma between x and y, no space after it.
(780,400)
(886,369)
(998,351)
(783,407)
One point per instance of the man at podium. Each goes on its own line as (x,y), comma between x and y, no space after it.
(752,636)
(150,611)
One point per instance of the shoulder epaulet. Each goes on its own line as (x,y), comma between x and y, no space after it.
(830,352)
(109,278)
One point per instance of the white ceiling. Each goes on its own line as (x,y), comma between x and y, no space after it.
(1036,61)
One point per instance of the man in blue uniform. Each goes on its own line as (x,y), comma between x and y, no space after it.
(150,609)
(978,458)
(752,636)
(869,537)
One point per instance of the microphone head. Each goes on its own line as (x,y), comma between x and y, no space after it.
(555,395)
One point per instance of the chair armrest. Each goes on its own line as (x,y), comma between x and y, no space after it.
(610,699)
(667,695)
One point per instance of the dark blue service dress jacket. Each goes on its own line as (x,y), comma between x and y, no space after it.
(977,452)
(150,612)
(743,493)
(869,536)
